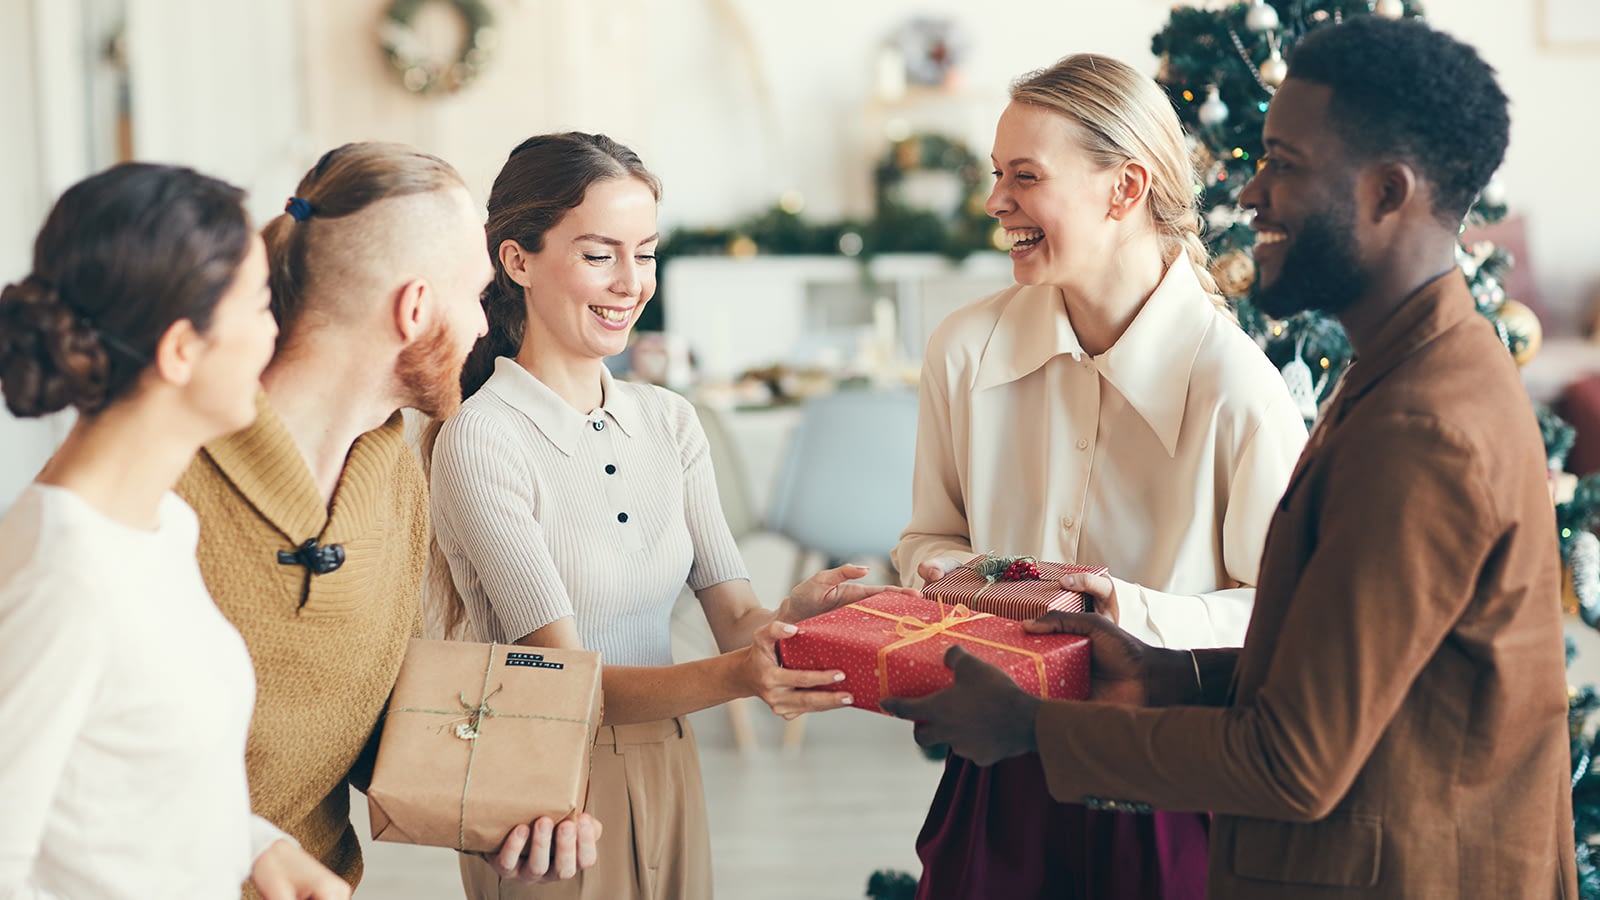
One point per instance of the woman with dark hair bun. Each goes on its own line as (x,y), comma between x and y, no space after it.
(125,696)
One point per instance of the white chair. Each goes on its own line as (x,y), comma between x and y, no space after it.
(844,490)
(738,508)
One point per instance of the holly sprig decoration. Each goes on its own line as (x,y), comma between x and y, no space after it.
(994,568)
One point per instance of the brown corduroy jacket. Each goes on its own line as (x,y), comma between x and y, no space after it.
(1396,722)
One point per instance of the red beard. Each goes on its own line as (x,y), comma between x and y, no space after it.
(429,370)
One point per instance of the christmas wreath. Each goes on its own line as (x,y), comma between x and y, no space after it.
(906,225)
(408,53)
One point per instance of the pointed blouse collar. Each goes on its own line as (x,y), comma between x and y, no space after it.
(1149,365)
(560,424)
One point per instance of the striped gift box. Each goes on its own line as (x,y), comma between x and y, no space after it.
(1013,599)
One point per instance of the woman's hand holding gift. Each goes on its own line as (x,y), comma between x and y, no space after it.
(931,570)
(790,692)
(828,590)
(1100,589)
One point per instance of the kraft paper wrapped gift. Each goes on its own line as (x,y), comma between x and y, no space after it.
(893,645)
(980,585)
(480,738)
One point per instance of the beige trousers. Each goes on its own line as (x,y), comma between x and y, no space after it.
(645,788)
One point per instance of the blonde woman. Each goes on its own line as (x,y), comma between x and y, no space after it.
(1105,410)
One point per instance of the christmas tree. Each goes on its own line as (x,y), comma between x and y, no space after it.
(1221,66)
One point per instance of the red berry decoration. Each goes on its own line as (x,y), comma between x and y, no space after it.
(1021,570)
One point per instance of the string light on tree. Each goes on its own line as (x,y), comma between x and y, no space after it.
(1389,9)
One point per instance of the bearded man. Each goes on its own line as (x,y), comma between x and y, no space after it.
(314,520)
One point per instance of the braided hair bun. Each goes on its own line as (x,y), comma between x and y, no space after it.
(123,255)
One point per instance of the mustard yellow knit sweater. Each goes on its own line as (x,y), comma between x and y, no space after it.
(326,647)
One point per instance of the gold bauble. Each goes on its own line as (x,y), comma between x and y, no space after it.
(908,155)
(742,247)
(1234,271)
(1523,329)
(1273,70)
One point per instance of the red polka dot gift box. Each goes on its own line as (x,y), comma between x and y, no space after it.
(1017,587)
(893,645)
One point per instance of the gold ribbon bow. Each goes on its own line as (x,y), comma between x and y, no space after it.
(913,630)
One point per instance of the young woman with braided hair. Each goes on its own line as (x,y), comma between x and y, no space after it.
(1105,410)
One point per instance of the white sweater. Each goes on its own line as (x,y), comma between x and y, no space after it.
(125,698)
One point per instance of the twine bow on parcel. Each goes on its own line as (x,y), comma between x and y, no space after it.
(468,727)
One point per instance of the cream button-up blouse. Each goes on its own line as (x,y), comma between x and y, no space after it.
(1162,459)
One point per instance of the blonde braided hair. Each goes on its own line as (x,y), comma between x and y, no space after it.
(1125,116)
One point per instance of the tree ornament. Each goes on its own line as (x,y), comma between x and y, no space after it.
(1273,69)
(1221,218)
(1583,568)
(1261,17)
(1520,329)
(1302,389)
(1389,9)
(1234,272)
(1213,111)
(1494,193)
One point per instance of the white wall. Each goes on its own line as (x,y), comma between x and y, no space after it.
(731,101)
(43,58)
(816,59)
(560,65)
(1551,142)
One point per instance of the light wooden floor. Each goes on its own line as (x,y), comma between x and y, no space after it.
(812,826)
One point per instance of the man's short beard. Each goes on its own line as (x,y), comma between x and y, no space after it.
(1321,271)
(429,370)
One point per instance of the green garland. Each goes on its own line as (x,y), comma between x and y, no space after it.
(896,227)
(418,73)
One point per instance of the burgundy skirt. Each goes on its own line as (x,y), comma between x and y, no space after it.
(996,832)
